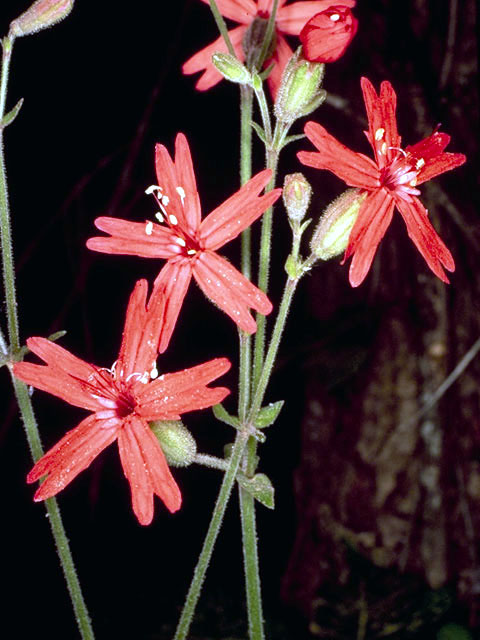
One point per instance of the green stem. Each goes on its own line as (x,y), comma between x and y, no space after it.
(21,392)
(211,537)
(222,27)
(246,107)
(264,378)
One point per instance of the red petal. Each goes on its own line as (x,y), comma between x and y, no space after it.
(381,120)
(172,284)
(186,177)
(436,161)
(130,238)
(71,455)
(167,397)
(65,376)
(146,470)
(238,212)
(373,219)
(425,238)
(202,61)
(169,180)
(230,290)
(353,168)
(292,18)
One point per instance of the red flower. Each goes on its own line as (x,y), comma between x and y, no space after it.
(123,400)
(289,21)
(390,182)
(327,35)
(189,244)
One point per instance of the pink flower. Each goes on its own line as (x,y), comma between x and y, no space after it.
(289,20)
(189,243)
(327,35)
(123,400)
(390,182)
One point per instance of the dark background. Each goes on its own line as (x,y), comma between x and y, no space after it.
(100,89)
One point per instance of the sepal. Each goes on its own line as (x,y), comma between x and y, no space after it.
(231,68)
(176,441)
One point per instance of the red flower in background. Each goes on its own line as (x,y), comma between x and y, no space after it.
(289,20)
(327,35)
(123,400)
(390,181)
(190,243)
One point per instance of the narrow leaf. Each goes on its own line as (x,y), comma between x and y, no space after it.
(9,117)
(289,139)
(260,132)
(222,414)
(260,487)
(267,415)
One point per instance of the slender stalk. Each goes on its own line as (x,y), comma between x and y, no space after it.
(21,392)
(246,106)
(222,27)
(268,34)
(211,537)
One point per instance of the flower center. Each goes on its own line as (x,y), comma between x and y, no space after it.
(400,174)
(184,244)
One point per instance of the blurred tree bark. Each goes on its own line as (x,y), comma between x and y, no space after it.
(380,475)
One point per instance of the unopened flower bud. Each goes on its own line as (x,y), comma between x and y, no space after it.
(41,15)
(326,36)
(299,93)
(252,42)
(231,68)
(330,238)
(176,441)
(296,196)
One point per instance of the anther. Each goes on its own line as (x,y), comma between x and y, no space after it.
(181,193)
(191,252)
(379,133)
(149,228)
(334,17)
(159,216)
(154,372)
(181,242)
(173,219)
(420,163)
(165,200)
(152,188)
(384,148)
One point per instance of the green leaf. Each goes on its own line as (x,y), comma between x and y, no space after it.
(9,117)
(289,139)
(222,414)
(266,72)
(267,415)
(260,488)
(260,131)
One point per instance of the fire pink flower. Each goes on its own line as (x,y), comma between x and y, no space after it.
(189,244)
(289,21)
(327,35)
(123,400)
(390,181)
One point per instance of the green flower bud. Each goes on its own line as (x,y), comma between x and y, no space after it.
(330,238)
(41,15)
(296,196)
(176,441)
(299,93)
(231,68)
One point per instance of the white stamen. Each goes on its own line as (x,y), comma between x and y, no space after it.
(413,183)
(165,200)
(399,149)
(379,133)
(181,193)
(334,17)
(173,219)
(159,216)
(149,228)
(154,372)
(384,148)
(139,376)
(152,188)
(181,242)
(420,163)
(191,252)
